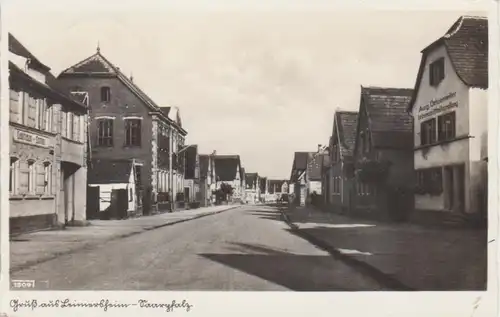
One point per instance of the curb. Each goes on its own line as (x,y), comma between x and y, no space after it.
(381,277)
(89,246)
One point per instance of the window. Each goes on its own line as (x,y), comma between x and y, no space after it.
(105,94)
(42,114)
(105,132)
(429,181)
(428,132)
(133,132)
(76,127)
(436,72)
(446,126)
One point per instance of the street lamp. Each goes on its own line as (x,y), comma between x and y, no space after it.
(171,174)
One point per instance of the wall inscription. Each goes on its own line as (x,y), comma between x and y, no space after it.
(438,105)
(32,139)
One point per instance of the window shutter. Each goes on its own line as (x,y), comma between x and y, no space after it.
(23,177)
(40,179)
(76,128)
(64,123)
(14,106)
(31,112)
(43,114)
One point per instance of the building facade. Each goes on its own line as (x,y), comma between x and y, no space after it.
(340,196)
(449,107)
(48,146)
(383,158)
(207,179)
(126,124)
(192,175)
(298,177)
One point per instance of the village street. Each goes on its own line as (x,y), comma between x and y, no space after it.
(246,248)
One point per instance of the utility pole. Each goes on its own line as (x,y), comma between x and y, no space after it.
(173,188)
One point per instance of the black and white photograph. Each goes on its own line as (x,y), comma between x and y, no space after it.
(160,149)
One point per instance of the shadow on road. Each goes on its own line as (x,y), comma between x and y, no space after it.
(293,271)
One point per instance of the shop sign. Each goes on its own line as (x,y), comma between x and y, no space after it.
(436,106)
(31,138)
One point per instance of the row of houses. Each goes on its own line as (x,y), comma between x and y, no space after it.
(260,189)
(411,153)
(89,143)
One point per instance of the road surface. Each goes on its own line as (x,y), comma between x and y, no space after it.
(245,249)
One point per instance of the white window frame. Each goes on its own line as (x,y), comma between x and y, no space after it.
(47,168)
(31,176)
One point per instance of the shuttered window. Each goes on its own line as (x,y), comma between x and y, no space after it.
(76,127)
(14,107)
(40,179)
(31,115)
(24,177)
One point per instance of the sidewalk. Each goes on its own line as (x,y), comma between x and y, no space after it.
(33,248)
(420,258)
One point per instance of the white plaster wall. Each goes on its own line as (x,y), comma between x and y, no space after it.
(454,152)
(80,194)
(105,193)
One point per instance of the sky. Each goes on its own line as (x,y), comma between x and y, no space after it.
(261,84)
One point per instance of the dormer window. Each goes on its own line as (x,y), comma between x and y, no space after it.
(105,94)
(436,72)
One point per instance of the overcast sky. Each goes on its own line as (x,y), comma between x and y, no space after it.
(259,84)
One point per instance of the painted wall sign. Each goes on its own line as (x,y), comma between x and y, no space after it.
(437,105)
(32,139)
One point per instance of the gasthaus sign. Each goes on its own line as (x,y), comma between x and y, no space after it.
(436,106)
(32,139)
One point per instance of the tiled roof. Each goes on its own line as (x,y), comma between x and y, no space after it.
(390,124)
(191,154)
(467,45)
(107,171)
(314,165)
(17,48)
(300,160)
(347,122)
(97,64)
(226,167)
(251,179)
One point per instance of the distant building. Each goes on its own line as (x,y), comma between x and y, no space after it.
(126,124)
(450,111)
(228,170)
(263,185)
(48,146)
(207,179)
(276,187)
(340,195)
(252,188)
(298,177)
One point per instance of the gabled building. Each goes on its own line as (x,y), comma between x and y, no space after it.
(228,170)
(252,188)
(297,177)
(450,110)
(276,187)
(313,176)
(48,146)
(340,195)
(126,124)
(383,158)
(207,179)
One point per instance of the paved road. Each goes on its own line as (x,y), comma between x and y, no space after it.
(248,248)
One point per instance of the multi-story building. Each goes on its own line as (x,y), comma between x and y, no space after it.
(125,123)
(450,111)
(48,148)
